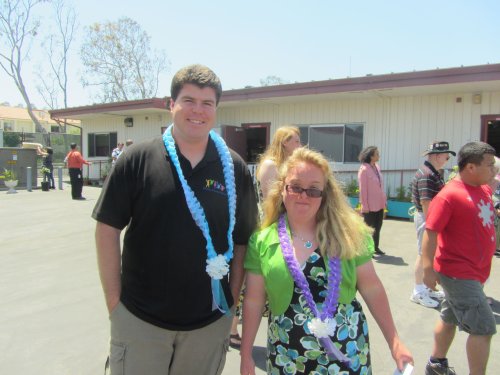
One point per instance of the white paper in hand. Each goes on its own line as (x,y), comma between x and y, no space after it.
(407,370)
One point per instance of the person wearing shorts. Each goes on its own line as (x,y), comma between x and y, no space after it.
(425,185)
(457,249)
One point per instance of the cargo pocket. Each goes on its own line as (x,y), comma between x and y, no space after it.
(117,358)
(467,313)
(224,350)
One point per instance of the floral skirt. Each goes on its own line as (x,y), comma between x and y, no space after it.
(292,349)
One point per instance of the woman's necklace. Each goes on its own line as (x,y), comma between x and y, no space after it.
(322,325)
(307,244)
(217,264)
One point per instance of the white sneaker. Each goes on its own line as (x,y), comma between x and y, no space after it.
(437,294)
(423,299)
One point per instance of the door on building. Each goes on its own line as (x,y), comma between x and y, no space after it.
(248,140)
(257,139)
(235,138)
(490,131)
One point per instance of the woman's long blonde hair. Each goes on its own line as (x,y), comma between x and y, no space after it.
(276,150)
(340,230)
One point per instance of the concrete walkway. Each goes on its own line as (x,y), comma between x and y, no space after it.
(53,320)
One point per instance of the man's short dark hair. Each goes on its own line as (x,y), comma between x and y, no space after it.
(473,152)
(72,145)
(365,156)
(198,75)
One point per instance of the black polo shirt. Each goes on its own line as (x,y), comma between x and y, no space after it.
(164,281)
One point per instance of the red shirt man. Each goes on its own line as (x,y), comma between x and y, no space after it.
(75,163)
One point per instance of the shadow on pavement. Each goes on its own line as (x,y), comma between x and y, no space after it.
(390,259)
(259,355)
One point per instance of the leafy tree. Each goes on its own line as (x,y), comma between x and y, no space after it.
(18,28)
(273,81)
(119,60)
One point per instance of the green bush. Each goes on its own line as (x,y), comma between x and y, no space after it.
(403,194)
(11,139)
(351,189)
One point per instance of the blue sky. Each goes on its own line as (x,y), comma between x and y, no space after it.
(298,41)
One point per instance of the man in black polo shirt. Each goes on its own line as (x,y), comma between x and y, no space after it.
(425,186)
(185,199)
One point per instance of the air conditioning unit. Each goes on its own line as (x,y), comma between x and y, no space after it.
(129,122)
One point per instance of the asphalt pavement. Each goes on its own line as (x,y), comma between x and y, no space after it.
(53,320)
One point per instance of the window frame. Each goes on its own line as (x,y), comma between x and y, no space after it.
(308,128)
(91,147)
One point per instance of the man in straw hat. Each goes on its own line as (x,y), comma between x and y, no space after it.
(425,185)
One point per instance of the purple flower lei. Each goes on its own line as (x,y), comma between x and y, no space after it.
(332,297)
(334,276)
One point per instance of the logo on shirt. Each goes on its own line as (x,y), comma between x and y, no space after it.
(215,186)
(485,213)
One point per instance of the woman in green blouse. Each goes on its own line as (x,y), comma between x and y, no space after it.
(310,257)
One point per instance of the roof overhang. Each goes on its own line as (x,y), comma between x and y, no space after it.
(439,81)
(472,79)
(122,109)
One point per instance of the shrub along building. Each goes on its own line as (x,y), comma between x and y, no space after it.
(400,113)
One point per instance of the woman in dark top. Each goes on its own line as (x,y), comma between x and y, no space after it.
(47,162)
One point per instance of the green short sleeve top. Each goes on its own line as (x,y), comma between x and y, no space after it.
(264,257)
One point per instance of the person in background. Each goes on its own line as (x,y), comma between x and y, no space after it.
(48,163)
(285,141)
(457,249)
(116,153)
(425,185)
(75,162)
(495,186)
(310,257)
(371,192)
(189,207)
(128,142)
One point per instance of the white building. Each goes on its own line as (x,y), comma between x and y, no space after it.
(400,113)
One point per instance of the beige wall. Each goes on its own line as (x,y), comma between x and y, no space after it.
(145,126)
(401,126)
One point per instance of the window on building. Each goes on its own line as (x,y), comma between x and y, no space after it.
(8,126)
(101,144)
(337,142)
(55,129)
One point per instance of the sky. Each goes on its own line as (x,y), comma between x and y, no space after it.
(298,41)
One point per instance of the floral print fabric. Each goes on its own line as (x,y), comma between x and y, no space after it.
(293,349)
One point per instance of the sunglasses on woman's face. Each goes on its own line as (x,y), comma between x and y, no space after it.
(297,190)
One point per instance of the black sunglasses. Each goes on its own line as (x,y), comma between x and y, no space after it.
(311,192)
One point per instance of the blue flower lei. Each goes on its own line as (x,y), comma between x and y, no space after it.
(217,264)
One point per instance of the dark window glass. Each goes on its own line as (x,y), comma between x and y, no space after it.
(339,143)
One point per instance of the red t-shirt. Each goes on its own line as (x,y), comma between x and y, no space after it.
(463,216)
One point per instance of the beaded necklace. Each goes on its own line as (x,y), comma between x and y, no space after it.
(323,324)
(217,264)
(307,244)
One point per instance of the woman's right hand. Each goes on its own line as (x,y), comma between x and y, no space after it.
(247,365)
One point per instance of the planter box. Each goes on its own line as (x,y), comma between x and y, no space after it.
(353,201)
(399,209)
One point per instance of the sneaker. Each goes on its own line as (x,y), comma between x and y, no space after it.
(423,299)
(439,369)
(437,294)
